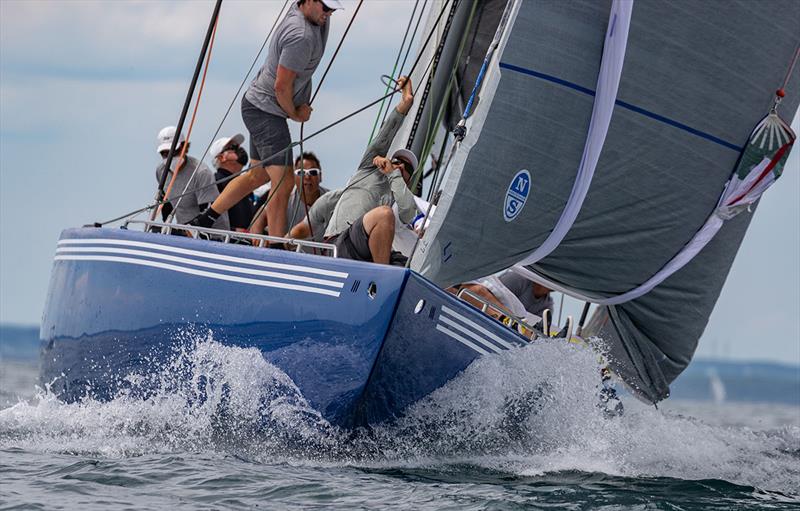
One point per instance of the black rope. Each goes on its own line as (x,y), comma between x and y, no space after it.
(303,124)
(394,67)
(212,25)
(314,134)
(405,57)
(230,106)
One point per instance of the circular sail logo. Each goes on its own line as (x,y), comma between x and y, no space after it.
(516,195)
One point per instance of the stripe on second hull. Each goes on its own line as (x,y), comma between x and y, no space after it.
(461,339)
(501,343)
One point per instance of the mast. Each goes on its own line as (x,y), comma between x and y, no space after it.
(189,94)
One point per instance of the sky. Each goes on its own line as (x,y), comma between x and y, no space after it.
(86,86)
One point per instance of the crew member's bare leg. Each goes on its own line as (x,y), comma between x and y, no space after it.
(239,188)
(282,182)
(379,225)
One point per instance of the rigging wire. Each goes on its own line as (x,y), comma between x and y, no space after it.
(303,124)
(255,165)
(312,135)
(431,133)
(233,101)
(394,67)
(185,146)
(405,57)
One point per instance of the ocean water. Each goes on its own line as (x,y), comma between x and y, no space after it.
(519,430)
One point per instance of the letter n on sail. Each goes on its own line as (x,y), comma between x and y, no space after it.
(516,195)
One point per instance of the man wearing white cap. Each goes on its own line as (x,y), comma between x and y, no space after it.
(229,157)
(192,178)
(281,90)
(363,222)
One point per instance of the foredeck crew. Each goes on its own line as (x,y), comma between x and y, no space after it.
(362,225)
(280,91)
(229,157)
(191,177)
(307,189)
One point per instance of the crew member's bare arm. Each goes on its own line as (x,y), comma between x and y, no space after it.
(408,95)
(300,231)
(284,92)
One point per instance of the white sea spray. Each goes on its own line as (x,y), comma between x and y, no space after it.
(525,412)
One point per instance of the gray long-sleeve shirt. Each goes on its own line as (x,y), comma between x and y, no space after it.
(370,188)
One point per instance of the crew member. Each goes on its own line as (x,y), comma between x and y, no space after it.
(229,157)
(363,223)
(192,178)
(280,91)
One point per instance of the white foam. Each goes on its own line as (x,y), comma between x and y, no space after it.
(527,412)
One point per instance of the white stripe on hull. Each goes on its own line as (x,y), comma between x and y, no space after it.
(195,262)
(207,255)
(477,327)
(472,335)
(460,339)
(200,273)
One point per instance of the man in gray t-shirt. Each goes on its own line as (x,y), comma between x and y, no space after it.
(280,91)
(193,178)
(319,215)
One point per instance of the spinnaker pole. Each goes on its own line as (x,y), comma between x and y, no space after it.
(189,94)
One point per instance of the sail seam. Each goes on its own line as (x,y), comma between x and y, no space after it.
(623,104)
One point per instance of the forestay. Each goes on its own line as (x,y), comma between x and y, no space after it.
(696,78)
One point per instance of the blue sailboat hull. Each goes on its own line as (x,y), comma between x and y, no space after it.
(361,341)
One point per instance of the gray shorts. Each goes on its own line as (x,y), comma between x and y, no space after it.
(269,136)
(353,243)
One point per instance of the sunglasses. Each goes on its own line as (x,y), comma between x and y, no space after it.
(405,164)
(308,172)
(231,148)
(325,8)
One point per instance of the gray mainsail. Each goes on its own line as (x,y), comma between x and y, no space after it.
(697,77)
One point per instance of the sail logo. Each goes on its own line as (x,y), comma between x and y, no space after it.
(516,195)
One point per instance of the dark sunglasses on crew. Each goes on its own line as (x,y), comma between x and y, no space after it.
(231,148)
(398,161)
(325,8)
(308,172)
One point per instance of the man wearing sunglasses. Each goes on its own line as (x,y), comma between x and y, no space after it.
(307,189)
(281,90)
(229,157)
(362,223)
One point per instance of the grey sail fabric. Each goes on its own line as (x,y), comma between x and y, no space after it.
(697,77)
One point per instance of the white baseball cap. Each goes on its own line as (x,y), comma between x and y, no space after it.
(165,137)
(407,156)
(333,4)
(220,143)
